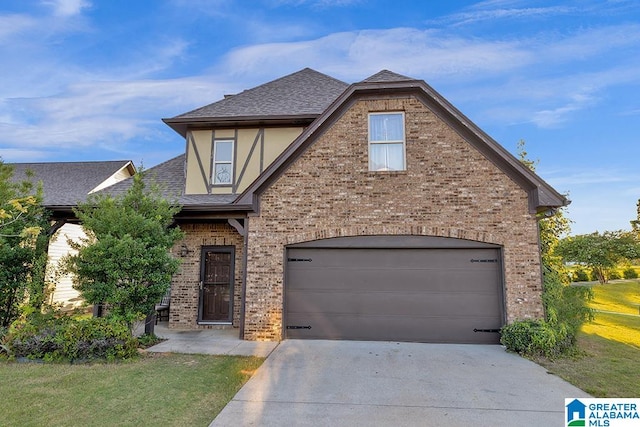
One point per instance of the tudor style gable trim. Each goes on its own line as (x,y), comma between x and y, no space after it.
(542,197)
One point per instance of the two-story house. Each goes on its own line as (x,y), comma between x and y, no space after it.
(371,211)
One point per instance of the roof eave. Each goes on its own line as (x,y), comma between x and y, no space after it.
(542,196)
(183,125)
(227,207)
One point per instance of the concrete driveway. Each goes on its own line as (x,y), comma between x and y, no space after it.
(354,383)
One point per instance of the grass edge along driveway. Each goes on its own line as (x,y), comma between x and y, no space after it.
(610,345)
(157,389)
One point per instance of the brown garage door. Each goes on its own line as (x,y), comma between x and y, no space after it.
(448,295)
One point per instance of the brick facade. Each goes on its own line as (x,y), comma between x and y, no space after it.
(185,284)
(449,189)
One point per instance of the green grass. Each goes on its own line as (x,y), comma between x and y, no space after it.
(609,362)
(161,389)
(616,297)
(606,369)
(622,296)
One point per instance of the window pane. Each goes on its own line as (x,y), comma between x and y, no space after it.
(386,127)
(223,151)
(395,154)
(386,157)
(377,154)
(222,174)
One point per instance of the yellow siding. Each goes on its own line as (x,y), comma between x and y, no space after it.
(63,295)
(225,133)
(276,140)
(267,145)
(196,181)
(221,190)
(246,139)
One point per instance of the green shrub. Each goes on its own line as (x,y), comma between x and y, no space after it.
(630,273)
(613,274)
(566,310)
(66,339)
(148,340)
(530,337)
(579,275)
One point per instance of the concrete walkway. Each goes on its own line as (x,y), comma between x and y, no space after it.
(209,341)
(352,383)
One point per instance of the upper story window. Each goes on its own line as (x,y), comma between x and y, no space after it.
(386,142)
(222,162)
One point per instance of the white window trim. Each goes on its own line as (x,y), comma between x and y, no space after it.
(223,162)
(400,141)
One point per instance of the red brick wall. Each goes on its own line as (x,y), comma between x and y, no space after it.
(449,189)
(185,284)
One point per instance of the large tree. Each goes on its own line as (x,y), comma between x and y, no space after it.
(125,261)
(600,251)
(23,243)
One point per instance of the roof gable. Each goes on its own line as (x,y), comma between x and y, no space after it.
(303,94)
(541,195)
(67,183)
(386,76)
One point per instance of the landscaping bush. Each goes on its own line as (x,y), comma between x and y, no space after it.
(148,340)
(66,339)
(630,273)
(566,310)
(579,275)
(613,274)
(530,337)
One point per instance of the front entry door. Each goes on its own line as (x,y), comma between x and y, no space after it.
(216,284)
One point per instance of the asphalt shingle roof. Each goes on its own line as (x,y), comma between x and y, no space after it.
(67,183)
(306,92)
(386,76)
(171,179)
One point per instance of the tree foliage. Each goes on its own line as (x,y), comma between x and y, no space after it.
(601,252)
(565,306)
(23,243)
(125,261)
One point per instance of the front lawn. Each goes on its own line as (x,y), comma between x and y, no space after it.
(608,368)
(158,389)
(610,345)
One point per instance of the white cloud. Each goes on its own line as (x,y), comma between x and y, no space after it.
(466,18)
(315,3)
(351,55)
(67,8)
(104,114)
(564,178)
(15,25)
(552,118)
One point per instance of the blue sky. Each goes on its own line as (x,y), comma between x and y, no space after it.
(90,80)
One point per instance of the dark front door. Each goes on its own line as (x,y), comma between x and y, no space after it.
(216,284)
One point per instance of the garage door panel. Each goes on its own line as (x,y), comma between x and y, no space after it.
(392,303)
(393,258)
(401,328)
(423,295)
(372,279)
